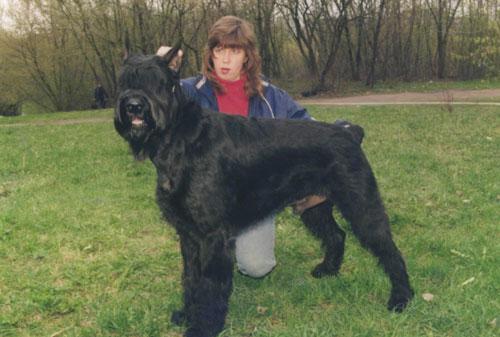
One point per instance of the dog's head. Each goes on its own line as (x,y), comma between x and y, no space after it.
(148,98)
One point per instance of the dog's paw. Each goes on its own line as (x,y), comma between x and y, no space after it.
(179,318)
(322,270)
(399,301)
(194,332)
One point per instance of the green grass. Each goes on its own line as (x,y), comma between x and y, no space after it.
(83,251)
(424,86)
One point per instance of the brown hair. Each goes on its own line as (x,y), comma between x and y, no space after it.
(233,32)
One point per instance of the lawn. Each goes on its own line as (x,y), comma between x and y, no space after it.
(422,86)
(84,252)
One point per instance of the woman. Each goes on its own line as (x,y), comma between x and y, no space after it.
(231,83)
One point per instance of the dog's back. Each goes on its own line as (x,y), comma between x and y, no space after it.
(355,130)
(277,130)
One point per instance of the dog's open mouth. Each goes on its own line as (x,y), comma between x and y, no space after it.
(137,121)
(135,110)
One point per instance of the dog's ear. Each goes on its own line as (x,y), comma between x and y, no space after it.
(126,46)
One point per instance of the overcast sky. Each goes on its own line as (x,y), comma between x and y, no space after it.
(4,6)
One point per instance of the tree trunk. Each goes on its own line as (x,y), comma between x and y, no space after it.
(370,81)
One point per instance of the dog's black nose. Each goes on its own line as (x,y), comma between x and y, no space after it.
(134,105)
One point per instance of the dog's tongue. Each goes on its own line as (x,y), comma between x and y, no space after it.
(137,121)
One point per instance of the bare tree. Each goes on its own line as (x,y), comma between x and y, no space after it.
(316,27)
(443,12)
(370,80)
(100,31)
(263,17)
(408,50)
(355,43)
(46,49)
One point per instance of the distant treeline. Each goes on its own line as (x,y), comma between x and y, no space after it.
(58,49)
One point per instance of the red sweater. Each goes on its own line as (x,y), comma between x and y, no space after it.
(234,101)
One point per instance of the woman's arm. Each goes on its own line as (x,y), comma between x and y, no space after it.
(285,106)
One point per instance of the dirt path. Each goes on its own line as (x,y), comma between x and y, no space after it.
(459,97)
(60,122)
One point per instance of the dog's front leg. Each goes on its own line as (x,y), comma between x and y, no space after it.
(208,273)
(190,277)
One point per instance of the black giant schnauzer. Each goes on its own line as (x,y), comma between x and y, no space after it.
(218,174)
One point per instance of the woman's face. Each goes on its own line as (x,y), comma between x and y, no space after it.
(228,62)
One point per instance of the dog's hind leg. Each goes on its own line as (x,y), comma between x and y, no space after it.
(319,220)
(364,209)
(374,234)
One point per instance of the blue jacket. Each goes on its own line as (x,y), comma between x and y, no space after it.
(275,103)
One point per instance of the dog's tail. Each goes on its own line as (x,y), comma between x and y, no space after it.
(356,131)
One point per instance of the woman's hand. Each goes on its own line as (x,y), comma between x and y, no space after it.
(176,62)
(300,206)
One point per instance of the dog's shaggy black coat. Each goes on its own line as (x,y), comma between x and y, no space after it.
(219,174)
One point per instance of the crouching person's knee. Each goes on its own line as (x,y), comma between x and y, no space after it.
(254,249)
(255,268)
